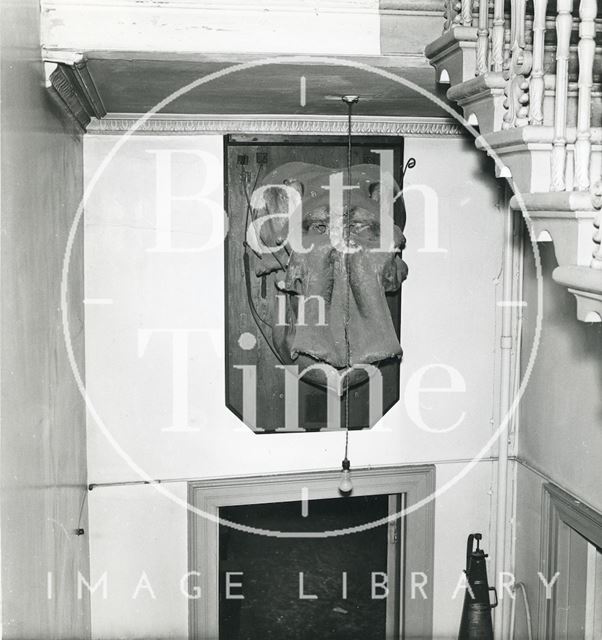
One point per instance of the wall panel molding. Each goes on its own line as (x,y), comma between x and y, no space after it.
(562,517)
(116,123)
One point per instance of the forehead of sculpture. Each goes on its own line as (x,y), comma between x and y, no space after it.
(313,185)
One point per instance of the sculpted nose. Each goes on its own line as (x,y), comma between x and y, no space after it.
(370,331)
(352,325)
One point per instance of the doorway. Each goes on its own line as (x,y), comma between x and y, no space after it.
(261,563)
(333,588)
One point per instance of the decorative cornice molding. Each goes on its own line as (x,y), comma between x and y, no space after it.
(118,123)
(69,79)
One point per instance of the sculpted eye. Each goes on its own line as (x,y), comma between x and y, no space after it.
(320,227)
(360,227)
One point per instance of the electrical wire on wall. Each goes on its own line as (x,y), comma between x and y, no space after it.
(516,587)
(246,263)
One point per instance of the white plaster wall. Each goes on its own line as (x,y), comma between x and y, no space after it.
(43,465)
(560,418)
(561,413)
(449,317)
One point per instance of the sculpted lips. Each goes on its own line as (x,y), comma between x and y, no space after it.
(353,324)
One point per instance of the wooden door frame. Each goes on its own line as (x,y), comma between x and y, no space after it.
(414,483)
(559,507)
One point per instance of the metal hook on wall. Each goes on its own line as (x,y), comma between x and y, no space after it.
(410,164)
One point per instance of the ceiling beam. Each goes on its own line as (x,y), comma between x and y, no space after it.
(331,27)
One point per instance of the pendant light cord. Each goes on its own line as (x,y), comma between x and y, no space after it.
(349,101)
(346,259)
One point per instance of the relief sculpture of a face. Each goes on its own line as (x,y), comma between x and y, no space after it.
(330,307)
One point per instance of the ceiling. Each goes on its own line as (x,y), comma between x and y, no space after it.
(130,84)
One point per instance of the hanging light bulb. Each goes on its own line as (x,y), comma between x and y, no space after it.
(346,486)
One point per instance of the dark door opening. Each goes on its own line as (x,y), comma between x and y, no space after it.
(332,588)
(407,537)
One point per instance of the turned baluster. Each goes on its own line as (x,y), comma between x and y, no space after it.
(449,14)
(564,23)
(597,254)
(537,86)
(452,13)
(466,12)
(517,69)
(483,38)
(497,36)
(586,51)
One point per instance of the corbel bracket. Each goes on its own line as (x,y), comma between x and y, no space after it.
(69,80)
(567,219)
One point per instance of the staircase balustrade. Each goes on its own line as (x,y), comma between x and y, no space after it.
(528,74)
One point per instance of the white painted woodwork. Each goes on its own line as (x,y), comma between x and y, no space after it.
(517,67)
(593,604)
(596,262)
(466,10)
(497,42)
(272,27)
(546,130)
(564,21)
(483,38)
(537,83)
(269,27)
(451,14)
(586,51)
(160,124)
